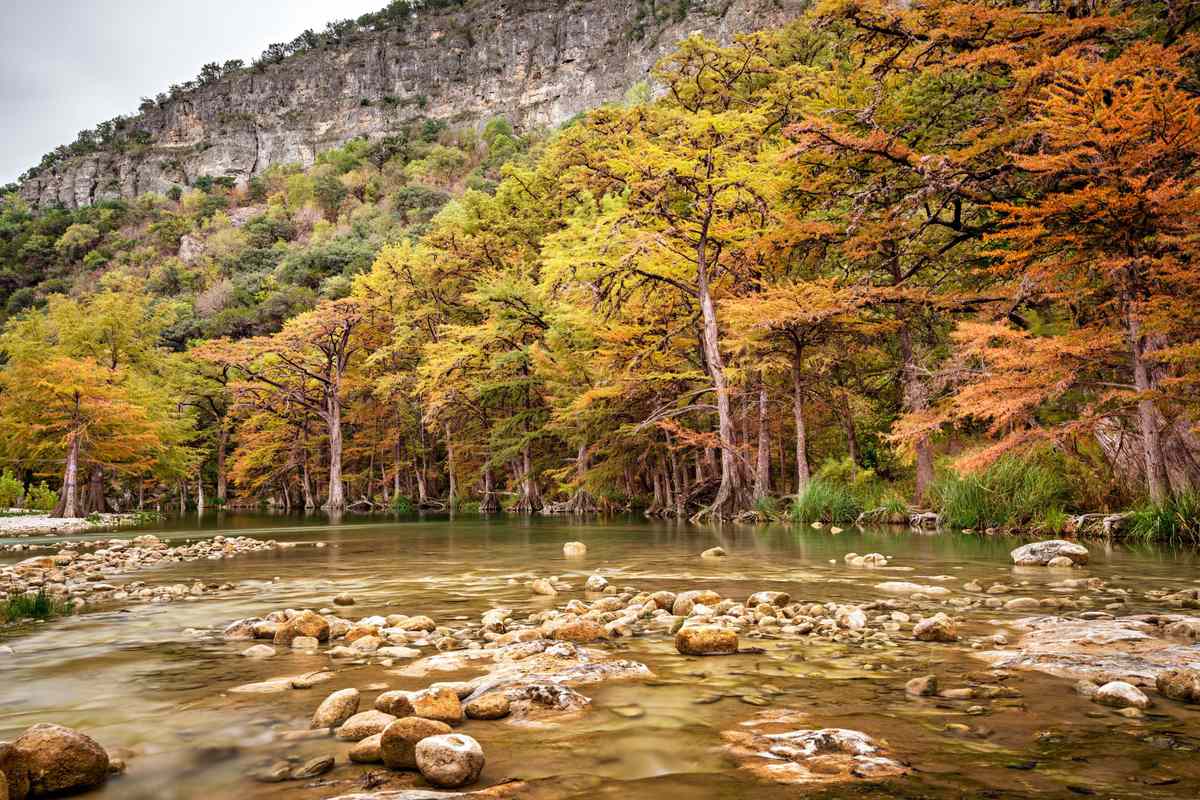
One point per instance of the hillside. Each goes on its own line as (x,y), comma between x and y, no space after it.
(534,62)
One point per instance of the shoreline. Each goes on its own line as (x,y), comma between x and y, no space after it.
(46,525)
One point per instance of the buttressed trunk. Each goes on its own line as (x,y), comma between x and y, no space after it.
(916,399)
(68,501)
(803,473)
(337,489)
(762,472)
(1157,482)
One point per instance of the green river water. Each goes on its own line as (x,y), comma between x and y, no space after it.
(133,679)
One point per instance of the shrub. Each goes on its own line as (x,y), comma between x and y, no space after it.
(402,505)
(11,490)
(1011,492)
(35,606)
(824,500)
(1176,521)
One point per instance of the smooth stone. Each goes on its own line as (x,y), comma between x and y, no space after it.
(368,750)
(313,768)
(398,742)
(336,709)
(543,587)
(259,651)
(493,705)
(364,724)
(706,640)
(441,704)
(1119,694)
(449,761)
(60,760)
(714,552)
(344,599)
(938,628)
(926,686)
(574,549)
(1041,553)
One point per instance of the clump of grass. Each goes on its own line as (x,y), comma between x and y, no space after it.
(766,508)
(33,606)
(1013,492)
(826,501)
(1176,521)
(402,505)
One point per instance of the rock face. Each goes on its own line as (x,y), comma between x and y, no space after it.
(59,760)
(536,62)
(1040,554)
(449,761)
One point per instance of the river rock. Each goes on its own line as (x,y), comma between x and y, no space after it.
(313,768)
(259,651)
(574,549)
(15,773)
(449,761)
(304,623)
(493,705)
(364,724)
(1180,684)
(777,599)
(440,704)
(336,709)
(706,640)
(938,628)
(596,583)
(926,686)
(368,750)
(543,587)
(851,618)
(397,703)
(808,756)
(714,552)
(242,630)
(398,743)
(344,599)
(907,587)
(1039,554)
(59,760)
(1119,694)
(579,631)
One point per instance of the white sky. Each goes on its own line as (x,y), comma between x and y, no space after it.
(66,65)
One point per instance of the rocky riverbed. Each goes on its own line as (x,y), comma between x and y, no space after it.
(362,694)
(46,525)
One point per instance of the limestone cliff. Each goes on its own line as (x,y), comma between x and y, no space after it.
(536,62)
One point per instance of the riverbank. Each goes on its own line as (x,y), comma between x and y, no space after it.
(46,525)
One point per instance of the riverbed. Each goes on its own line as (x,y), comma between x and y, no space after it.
(151,682)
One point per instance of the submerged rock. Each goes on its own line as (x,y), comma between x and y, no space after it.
(823,755)
(926,686)
(1180,684)
(1040,554)
(59,760)
(449,761)
(574,549)
(714,552)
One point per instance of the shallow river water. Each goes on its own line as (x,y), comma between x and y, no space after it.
(133,679)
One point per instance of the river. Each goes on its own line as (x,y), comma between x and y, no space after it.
(139,681)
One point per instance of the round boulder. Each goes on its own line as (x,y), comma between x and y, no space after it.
(449,761)
(398,743)
(336,709)
(706,640)
(1119,694)
(368,751)
(364,724)
(1040,554)
(60,760)
(493,705)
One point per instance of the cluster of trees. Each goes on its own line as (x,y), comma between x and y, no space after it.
(901,239)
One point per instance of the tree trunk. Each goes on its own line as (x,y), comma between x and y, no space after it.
(222,480)
(337,490)
(1157,482)
(530,500)
(68,500)
(94,501)
(729,499)
(450,467)
(490,503)
(200,494)
(915,399)
(851,432)
(762,472)
(803,473)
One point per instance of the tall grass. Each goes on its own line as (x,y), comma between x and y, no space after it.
(1176,521)
(33,606)
(1013,492)
(824,500)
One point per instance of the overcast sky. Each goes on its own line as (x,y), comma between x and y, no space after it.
(66,65)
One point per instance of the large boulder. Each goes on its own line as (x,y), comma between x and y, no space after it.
(1180,684)
(1119,694)
(441,704)
(449,761)
(336,709)
(706,640)
(398,744)
(938,628)
(15,773)
(493,705)
(364,724)
(1040,554)
(304,623)
(60,760)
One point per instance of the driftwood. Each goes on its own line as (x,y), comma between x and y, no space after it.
(925,520)
(1100,524)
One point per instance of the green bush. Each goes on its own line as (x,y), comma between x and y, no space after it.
(1176,521)
(1012,492)
(41,498)
(36,606)
(402,505)
(824,500)
(11,490)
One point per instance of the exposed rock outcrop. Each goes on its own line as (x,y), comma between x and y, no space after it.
(536,62)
